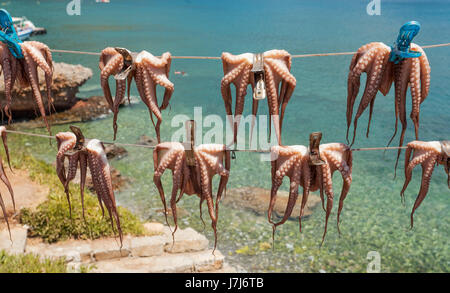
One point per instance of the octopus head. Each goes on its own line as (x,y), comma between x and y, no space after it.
(64,137)
(97,148)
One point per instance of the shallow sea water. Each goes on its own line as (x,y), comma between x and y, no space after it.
(373,218)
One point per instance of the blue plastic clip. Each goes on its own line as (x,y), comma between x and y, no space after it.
(8,34)
(400,50)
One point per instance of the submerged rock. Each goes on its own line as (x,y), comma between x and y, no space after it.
(257,200)
(147,140)
(67,78)
(115,152)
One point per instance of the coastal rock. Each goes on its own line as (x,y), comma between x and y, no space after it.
(84,110)
(257,200)
(67,78)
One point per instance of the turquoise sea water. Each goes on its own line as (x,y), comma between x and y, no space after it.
(373,218)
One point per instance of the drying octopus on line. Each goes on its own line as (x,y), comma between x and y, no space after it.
(428,155)
(373,58)
(5,179)
(279,82)
(294,162)
(192,173)
(90,154)
(147,71)
(36,55)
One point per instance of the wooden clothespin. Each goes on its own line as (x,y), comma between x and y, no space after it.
(128,65)
(259,92)
(80,137)
(314,146)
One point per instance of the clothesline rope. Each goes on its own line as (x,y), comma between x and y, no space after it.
(218,58)
(152,147)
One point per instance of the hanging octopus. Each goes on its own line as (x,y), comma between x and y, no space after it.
(36,55)
(147,70)
(4,178)
(295,163)
(90,154)
(238,70)
(373,58)
(192,173)
(428,155)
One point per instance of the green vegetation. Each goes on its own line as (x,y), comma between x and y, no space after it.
(51,221)
(30,263)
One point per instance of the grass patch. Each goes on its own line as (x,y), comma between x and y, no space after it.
(51,220)
(30,263)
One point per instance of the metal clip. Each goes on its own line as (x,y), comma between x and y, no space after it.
(8,34)
(314,146)
(128,65)
(189,146)
(401,48)
(80,137)
(259,92)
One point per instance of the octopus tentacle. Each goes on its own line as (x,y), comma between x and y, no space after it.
(83,171)
(30,66)
(328,187)
(206,187)
(280,84)
(120,96)
(415,85)
(306,176)
(111,62)
(428,155)
(427,171)
(71,173)
(241,82)
(288,161)
(401,78)
(293,194)
(230,76)
(149,88)
(5,180)
(424,71)
(288,85)
(166,161)
(272,101)
(65,141)
(100,170)
(4,136)
(9,74)
(375,70)
(285,158)
(43,58)
(2,205)
(152,71)
(359,64)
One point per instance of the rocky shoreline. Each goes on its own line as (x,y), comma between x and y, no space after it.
(67,79)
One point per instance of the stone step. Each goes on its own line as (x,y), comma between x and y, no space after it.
(18,241)
(200,261)
(187,240)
